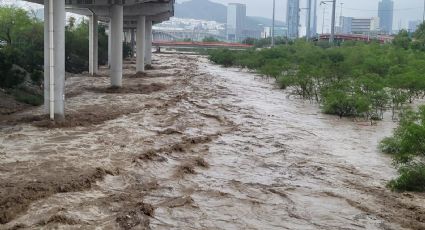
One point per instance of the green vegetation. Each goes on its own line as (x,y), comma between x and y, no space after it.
(266,42)
(210,39)
(407,146)
(22,47)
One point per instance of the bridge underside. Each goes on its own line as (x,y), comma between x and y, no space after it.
(137,15)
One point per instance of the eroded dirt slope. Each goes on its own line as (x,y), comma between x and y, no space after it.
(190,145)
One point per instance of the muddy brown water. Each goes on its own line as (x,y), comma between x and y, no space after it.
(212,148)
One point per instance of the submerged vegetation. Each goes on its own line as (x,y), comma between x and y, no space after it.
(355,79)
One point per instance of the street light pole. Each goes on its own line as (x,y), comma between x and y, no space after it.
(324,13)
(274,12)
(308,32)
(423,16)
(332,38)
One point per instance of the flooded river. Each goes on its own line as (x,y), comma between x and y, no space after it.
(191,145)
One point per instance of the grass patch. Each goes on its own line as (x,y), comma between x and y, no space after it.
(27,98)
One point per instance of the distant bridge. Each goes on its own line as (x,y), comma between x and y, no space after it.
(356,37)
(175,35)
(205,45)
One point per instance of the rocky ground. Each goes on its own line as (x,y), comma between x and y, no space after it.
(189,145)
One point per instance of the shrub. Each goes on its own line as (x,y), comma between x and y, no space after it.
(407,146)
(224,57)
(9,77)
(412,178)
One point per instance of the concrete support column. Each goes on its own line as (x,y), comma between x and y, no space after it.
(93,45)
(132,42)
(141,44)
(148,52)
(54,58)
(109,43)
(117,25)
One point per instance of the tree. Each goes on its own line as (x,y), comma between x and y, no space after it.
(419,38)
(407,145)
(402,39)
(249,41)
(210,39)
(12,22)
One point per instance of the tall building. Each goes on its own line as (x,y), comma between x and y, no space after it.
(293,18)
(236,17)
(386,15)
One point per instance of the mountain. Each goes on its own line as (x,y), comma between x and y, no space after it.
(201,9)
(211,11)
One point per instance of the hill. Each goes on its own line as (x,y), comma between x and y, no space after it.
(211,11)
(202,9)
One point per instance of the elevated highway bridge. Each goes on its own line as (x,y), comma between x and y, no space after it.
(120,15)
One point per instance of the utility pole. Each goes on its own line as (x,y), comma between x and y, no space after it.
(423,16)
(332,38)
(308,32)
(323,22)
(274,14)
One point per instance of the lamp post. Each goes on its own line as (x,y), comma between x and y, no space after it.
(423,16)
(308,32)
(273,23)
(323,20)
(332,37)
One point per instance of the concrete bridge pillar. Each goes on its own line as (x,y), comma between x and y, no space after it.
(54,58)
(132,42)
(109,43)
(148,57)
(93,44)
(141,44)
(116,28)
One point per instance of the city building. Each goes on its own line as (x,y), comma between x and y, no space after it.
(413,25)
(236,17)
(293,18)
(250,33)
(279,31)
(350,25)
(386,16)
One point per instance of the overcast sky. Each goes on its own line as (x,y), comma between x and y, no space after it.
(404,10)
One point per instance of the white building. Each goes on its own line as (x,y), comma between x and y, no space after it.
(352,25)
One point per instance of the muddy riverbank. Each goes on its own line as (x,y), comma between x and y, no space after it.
(190,145)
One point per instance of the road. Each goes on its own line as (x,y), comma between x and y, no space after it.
(191,145)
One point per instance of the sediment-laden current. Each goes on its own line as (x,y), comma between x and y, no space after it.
(191,145)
